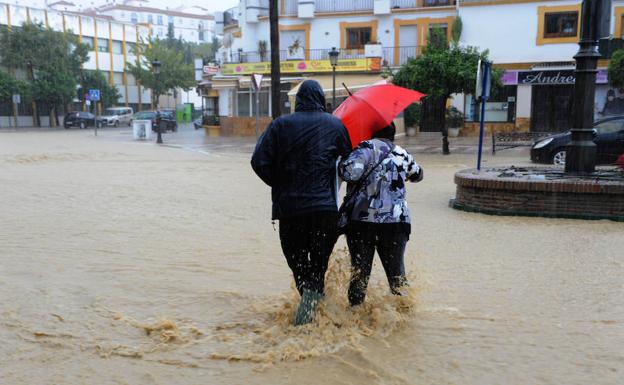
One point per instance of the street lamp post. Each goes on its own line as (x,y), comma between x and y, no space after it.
(333,60)
(156,72)
(581,152)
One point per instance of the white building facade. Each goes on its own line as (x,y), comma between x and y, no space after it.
(532,41)
(193,24)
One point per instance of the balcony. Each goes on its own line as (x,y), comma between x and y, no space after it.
(392,56)
(290,7)
(230,17)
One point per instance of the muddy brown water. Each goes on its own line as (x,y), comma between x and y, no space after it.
(125,263)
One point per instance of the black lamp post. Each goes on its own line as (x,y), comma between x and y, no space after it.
(333,60)
(156,72)
(581,152)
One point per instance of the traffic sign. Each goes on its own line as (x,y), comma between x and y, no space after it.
(94,95)
(257,81)
(17,99)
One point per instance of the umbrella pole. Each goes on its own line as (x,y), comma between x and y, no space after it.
(346,88)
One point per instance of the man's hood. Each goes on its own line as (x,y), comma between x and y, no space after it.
(310,97)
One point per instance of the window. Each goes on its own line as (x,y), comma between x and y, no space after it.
(88,41)
(117,47)
(560,24)
(200,31)
(160,32)
(439,26)
(103,45)
(170,20)
(118,77)
(358,37)
(130,48)
(159,20)
(134,17)
(150,19)
(243,103)
(610,126)
(130,80)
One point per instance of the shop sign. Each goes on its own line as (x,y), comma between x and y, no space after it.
(547,77)
(303,66)
(211,70)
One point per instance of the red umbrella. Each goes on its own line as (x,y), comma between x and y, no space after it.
(373,108)
(620,161)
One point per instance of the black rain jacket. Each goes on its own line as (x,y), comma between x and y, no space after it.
(297,154)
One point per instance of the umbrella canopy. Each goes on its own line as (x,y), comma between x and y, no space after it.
(373,108)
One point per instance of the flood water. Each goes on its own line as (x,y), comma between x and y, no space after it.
(128,263)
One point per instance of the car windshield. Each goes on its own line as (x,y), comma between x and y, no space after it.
(113,111)
(610,126)
(144,115)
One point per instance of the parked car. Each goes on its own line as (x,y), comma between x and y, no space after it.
(608,136)
(79,119)
(163,119)
(115,116)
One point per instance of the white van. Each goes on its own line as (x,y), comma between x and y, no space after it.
(116,116)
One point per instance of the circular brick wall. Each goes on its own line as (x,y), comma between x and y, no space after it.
(540,192)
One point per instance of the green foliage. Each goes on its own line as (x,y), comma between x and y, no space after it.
(109,94)
(616,69)
(442,69)
(454,118)
(50,59)
(413,114)
(456,29)
(10,86)
(174,71)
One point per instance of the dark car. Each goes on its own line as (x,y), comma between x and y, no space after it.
(163,119)
(608,136)
(79,119)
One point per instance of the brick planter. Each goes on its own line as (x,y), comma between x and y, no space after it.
(540,192)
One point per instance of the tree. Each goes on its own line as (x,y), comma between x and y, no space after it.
(443,69)
(9,86)
(109,94)
(52,61)
(174,72)
(616,69)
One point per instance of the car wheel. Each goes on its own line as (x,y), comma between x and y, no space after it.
(130,123)
(116,123)
(66,126)
(83,125)
(559,157)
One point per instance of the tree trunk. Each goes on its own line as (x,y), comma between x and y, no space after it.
(433,119)
(276,102)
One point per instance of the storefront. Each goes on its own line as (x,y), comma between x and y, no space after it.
(548,95)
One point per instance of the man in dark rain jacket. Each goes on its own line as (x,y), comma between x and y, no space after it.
(297,156)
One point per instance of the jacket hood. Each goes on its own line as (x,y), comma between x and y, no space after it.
(310,97)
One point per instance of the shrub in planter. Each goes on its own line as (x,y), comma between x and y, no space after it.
(454,121)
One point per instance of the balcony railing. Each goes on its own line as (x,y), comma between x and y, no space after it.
(330,6)
(392,56)
(421,3)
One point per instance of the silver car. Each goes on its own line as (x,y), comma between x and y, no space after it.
(116,116)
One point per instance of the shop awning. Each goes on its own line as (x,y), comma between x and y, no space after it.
(353,82)
(245,81)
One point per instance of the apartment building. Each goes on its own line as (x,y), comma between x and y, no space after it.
(112,45)
(532,41)
(193,24)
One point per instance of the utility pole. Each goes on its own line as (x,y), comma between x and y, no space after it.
(276,104)
(581,152)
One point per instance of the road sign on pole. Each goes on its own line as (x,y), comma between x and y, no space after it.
(17,99)
(484,81)
(94,95)
(256,80)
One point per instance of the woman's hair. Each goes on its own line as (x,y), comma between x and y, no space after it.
(387,132)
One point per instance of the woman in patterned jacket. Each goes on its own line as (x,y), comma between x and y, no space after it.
(380,218)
